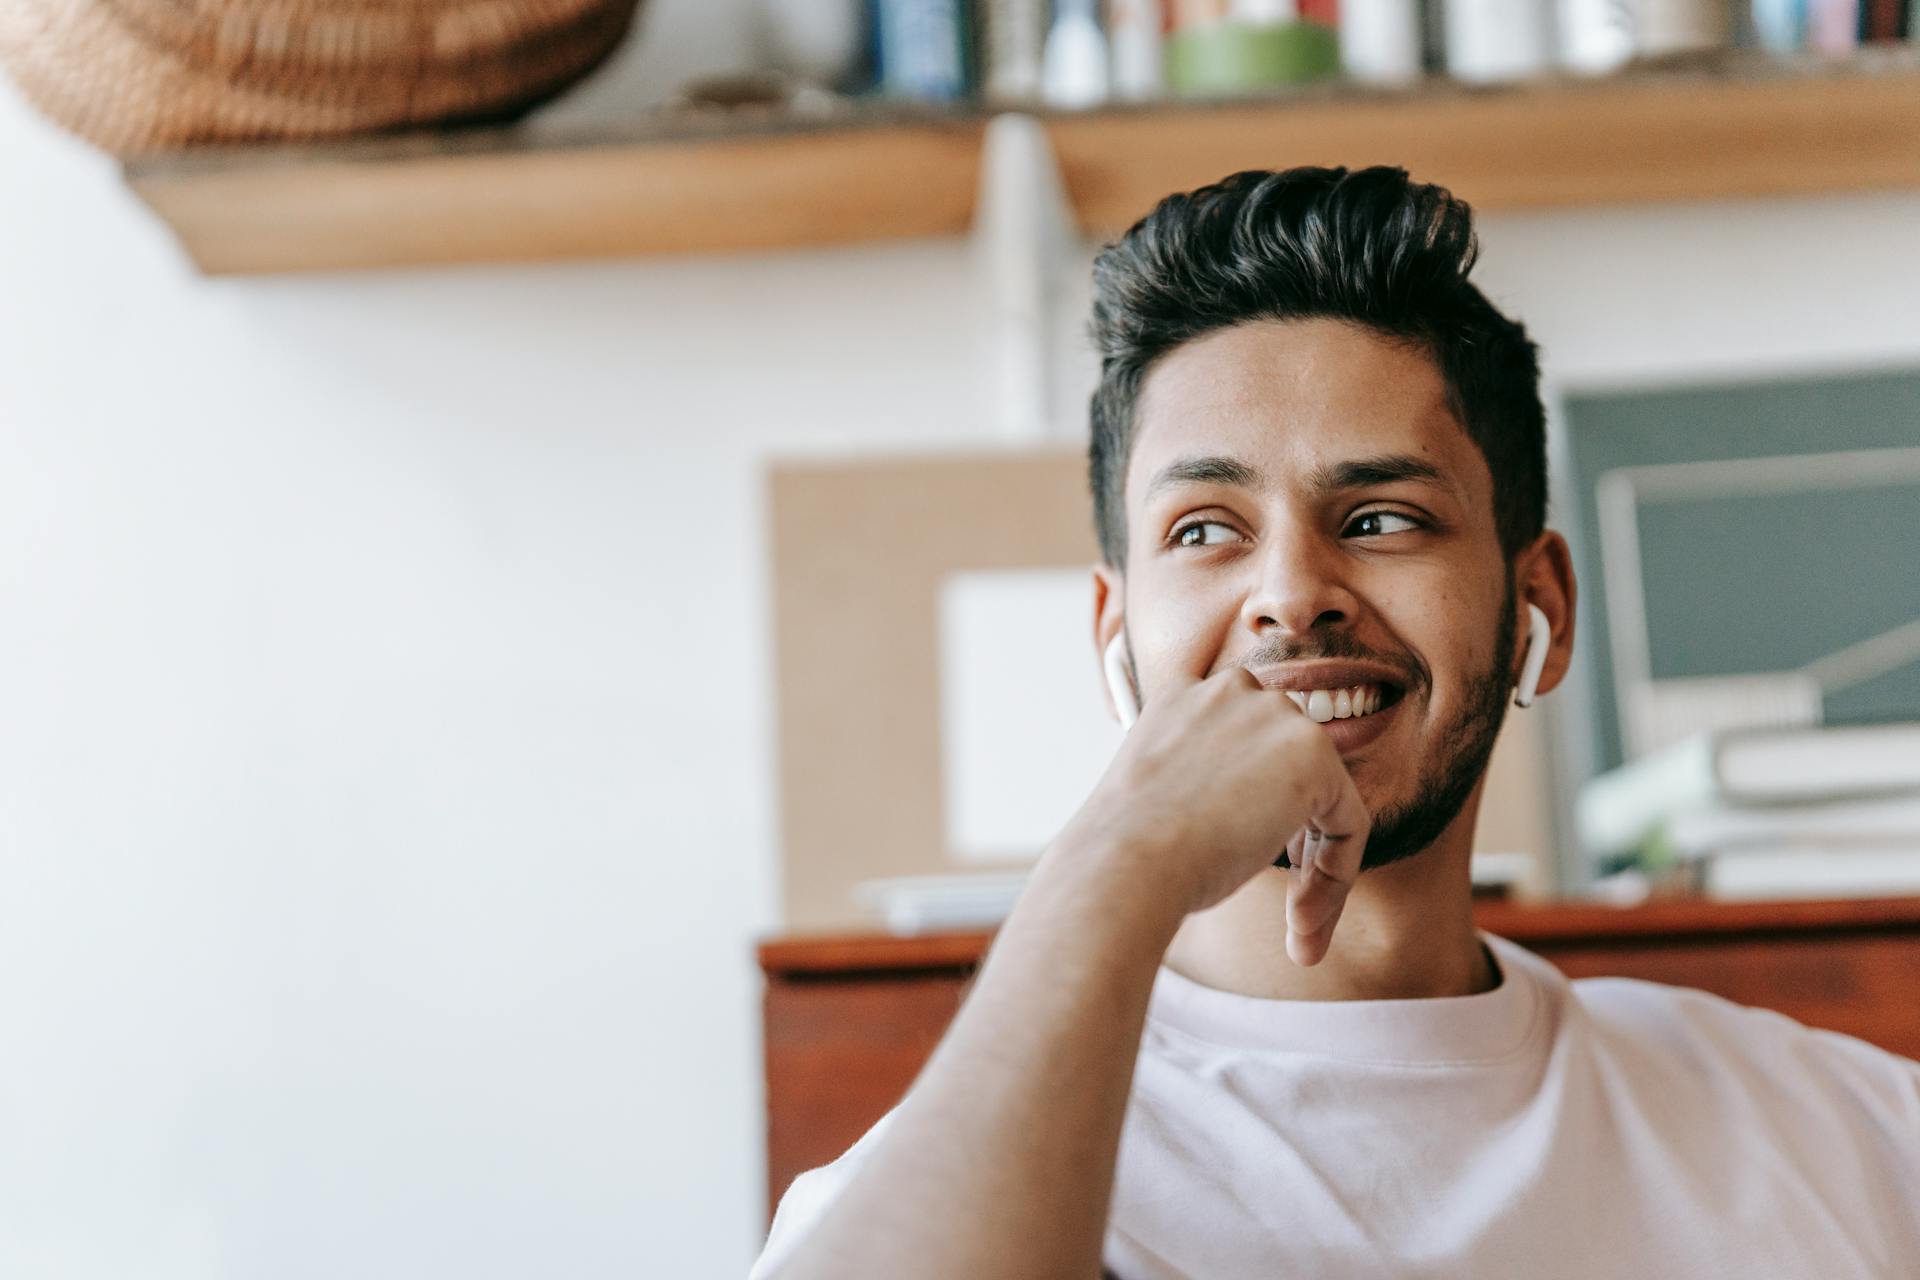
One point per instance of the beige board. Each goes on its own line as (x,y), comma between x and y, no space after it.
(859,552)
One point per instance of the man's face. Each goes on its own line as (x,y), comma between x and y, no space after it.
(1301,501)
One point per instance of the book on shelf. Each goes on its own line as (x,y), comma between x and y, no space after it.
(1882,20)
(1010,37)
(1813,871)
(1724,829)
(1754,768)
(922,48)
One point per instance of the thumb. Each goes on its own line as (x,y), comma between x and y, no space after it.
(1325,855)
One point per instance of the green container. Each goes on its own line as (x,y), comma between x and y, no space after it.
(1213,59)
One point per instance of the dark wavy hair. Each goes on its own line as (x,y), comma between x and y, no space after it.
(1369,246)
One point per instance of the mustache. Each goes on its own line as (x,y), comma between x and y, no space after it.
(1332,645)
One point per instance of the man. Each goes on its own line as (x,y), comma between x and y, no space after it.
(1319,476)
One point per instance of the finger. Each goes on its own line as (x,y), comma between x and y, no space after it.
(1175,679)
(1246,679)
(1309,846)
(1295,844)
(1330,856)
(1343,822)
(1306,948)
(1314,904)
(1297,950)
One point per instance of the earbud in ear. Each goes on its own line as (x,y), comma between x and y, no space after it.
(1539,636)
(1119,683)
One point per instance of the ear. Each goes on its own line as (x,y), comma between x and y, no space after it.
(1109,617)
(1109,606)
(1544,578)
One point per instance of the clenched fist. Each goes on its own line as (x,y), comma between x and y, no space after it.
(1216,778)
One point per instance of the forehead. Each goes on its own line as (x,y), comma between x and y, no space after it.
(1292,397)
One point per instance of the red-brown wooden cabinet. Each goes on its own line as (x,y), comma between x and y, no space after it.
(850,1020)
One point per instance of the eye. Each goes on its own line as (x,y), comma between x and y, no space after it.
(1373,524)
(1185,535)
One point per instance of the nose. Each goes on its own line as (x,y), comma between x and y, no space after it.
(1298,586)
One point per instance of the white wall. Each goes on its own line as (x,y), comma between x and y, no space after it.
(386,808)
(386,812)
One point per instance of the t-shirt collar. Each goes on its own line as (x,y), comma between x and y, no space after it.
(1436,1031)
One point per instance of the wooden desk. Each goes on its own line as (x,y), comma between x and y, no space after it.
(849,1021)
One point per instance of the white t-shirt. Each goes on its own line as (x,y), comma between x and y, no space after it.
(1606,1127)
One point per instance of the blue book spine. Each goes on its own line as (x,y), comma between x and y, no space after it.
(922,49)
(1780,26)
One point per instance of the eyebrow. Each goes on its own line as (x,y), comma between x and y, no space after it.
(1358,473)
(1361,473)
(1206,469)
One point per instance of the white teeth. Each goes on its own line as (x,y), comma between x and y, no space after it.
(1322,705)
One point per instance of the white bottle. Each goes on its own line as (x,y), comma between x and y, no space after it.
(1075,72)
(1680,26)
(1596,36)
(818,41)
(1380,40)
(1263,12)
(1490,41)
(1016,32)
(1133,31)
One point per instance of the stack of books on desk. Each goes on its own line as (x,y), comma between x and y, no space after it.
(1768,813)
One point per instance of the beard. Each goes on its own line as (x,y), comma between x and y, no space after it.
(1455,764)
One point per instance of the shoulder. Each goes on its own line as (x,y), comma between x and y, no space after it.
(807,1199)
(1680,1030)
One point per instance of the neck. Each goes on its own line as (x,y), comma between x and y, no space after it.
(1407,932)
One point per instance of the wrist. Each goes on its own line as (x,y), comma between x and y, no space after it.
(1113,880)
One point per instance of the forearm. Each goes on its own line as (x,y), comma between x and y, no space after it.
(1000,1160)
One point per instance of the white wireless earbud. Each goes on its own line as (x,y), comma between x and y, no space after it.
(1119,683)
(1539,635)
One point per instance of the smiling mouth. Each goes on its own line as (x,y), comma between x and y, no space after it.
(1350,703)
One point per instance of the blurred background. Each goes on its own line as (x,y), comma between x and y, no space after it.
(490,537)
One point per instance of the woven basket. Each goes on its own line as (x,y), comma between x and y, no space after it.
(149,75)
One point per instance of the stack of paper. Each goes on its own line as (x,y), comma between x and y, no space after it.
(910,905)
(1813,812)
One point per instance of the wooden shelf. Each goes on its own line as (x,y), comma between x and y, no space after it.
(849,1021)
(1739,128)
(1564,922)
